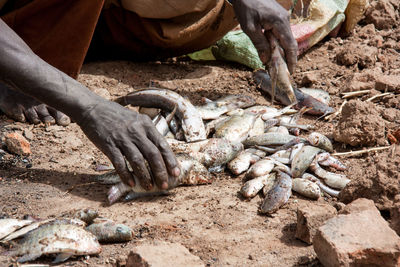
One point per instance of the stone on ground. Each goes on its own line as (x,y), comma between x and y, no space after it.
(310,218)
(359,237)
(17,144)
(161,253)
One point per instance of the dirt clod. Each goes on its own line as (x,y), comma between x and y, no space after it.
(360,124)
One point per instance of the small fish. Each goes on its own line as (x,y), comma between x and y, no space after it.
(236,128)
(302,160)
(244,159)
(338,181)
(214,109)
(328,160)
(8,226)
(191,172)
(65,240)
(282,130)
(278,70)
(321,141)
(306,188)
(252,187)
(326,189)
(278,113)
(261,168)
(263,81)
(217,152)
(192,123)
(278,195)
(108,231)
(295,149)
(319,94)
(258,127)
(282,156)
(268,139)
(269,184)
(86,215)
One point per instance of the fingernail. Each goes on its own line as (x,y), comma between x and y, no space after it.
(164,185)
(176,171)
(131,183)
(149,187)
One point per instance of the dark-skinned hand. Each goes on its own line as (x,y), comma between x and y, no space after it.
(118,131)
(257,16)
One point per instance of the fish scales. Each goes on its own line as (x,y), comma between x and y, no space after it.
(278,195)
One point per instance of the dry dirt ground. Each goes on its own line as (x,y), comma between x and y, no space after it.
(212,221)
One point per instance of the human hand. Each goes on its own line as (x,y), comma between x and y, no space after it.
(256,16)
(23,108)
(119,132)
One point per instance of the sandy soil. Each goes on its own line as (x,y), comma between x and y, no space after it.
(212,221)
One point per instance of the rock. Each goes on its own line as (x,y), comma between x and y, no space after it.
(388,83)
(360,238)
(360,124)
(28,134)
(310,217)
(309,79)
(359,205)
(395,215)
(161,253)
(17,144)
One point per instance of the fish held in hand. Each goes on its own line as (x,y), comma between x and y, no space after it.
(317,107)
(66,240)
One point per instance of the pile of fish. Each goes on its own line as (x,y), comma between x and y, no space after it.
(236,133)
(79,234)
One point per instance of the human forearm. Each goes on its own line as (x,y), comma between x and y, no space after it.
(24,71)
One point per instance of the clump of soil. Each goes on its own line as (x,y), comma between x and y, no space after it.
(362,55)
(384,14)
(360,124)
(377,178)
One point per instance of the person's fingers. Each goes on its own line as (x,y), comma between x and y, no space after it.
(287,41)
(166,152)
(44,114)
(257,37)
(118,161)
(32,116)
(137,162)
(156,162)
(61,118)
(14,112)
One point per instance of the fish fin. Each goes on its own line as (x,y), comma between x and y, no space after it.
(28,257)
(61,257)
(205,100)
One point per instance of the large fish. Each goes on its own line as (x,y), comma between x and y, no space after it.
(317,107)
(8,226)
(65,240)
(192,125)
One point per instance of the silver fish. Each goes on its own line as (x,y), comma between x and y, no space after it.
(303,159)
(214,109)
(261,168)
(295,149)
(191,171)
(268,139)
(318,94)
(269,184)
(236,128)
(161,124)
(192,125)
(278,195)
(65,240)
(321,141)
(217,152)
(326,189)
(108,231)
(258,127)
(338,181)
(244,159)
(330,161)
(8,226)
(252,187)
(306,188)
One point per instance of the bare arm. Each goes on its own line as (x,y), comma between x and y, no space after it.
(116,131)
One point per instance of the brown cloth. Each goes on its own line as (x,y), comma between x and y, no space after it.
(60,31)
